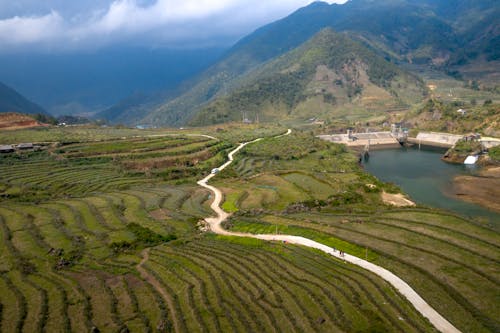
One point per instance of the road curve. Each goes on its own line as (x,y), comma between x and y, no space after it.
(411,295)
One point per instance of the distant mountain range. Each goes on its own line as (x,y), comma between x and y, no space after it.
(321,60)
(329,74)
(82,82)
(272,72)
(12,101)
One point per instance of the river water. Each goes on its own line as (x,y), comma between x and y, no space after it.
(422,175)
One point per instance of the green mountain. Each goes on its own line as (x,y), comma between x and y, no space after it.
(331,75)
(12,101)
(482,39)
(129,110)
(441,34)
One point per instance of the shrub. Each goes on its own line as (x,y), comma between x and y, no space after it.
(495,153)
(466,147)
(26,266)
(144,237)
(345,198)
(147,236)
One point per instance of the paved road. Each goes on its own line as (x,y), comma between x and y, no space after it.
(418,302)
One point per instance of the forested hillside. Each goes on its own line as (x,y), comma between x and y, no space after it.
(436,35)
(329,74)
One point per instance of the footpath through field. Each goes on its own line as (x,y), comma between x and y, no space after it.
(418,302)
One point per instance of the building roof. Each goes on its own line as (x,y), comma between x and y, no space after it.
(25,145)
(6,148)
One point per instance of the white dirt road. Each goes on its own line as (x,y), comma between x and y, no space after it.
(411,295)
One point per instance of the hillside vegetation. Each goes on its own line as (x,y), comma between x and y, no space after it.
(436,115)
(456,38)
(104,235)
(315,190)
(329,75)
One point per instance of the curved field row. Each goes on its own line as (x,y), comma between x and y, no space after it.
(56,254)
(416,256)
(275,184)
(423,219)
(474,250)
(54,180)
(446,222)
(194,204)
(269,289)
(248,166)
(190,158)
(151,152)
(37,176)
(126,146)
(469,251)
(72,230)
(450,261)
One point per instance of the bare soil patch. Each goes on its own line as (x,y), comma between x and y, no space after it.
(483,190)
(159,214)
(397,200)
(13,121)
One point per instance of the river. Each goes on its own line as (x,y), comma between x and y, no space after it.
(422,175)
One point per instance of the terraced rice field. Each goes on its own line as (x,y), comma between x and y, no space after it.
(103,235)
(450,261)
(63,214)
(224,284)
(214,284)
(84,168)
(455,272)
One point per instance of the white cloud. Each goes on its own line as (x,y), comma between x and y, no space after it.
(129,16)
(166,20)
(30,29)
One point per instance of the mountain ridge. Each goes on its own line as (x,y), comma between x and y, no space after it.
(331,67)
(13,101)
(427,33)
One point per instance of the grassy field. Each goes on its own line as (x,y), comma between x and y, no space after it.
(77,220)
(232,132)
(451,261)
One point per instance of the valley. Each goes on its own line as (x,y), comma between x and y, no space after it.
(78,219)
(181,167)
(214,224)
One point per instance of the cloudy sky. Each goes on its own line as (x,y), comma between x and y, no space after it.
(58,25)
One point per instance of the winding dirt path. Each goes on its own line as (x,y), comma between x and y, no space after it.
(157,285)
(411,295)
(149,278)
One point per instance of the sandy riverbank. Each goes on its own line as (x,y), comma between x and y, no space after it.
(483,189)
(398,200)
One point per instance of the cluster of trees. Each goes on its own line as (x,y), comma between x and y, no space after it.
(144,237)
(282,88)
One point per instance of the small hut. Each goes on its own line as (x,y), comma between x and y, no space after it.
(5,149)
(25,146)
